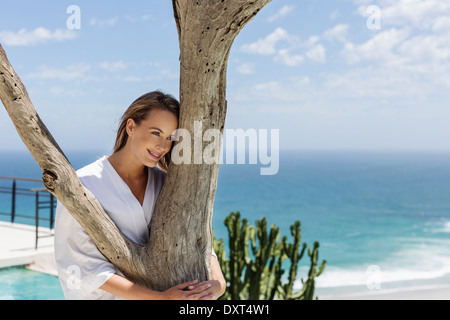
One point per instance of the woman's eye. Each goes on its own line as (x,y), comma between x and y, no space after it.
(156,133)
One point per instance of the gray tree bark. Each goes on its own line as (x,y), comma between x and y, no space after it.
(180,243)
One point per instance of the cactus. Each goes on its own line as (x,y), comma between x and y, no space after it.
(309,285)
(239,234)
(292,250)
(257,274)
(224,264)
(267,249)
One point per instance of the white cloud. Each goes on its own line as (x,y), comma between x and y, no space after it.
(163,74)
(133,78)
(420,14)
(317,53)
(416,45)
(284,56)
(113,66)
(281,13)
(169,74)
(338,32)
(103,23)
(372,83)
(246,68)
(287,55)
(70,73)
(442,24)
(413,44)
(291,89)
(314,50)
(267,46)
(334,15)
(37,36)
(380,47)
(426,48)
(409,62)
(66,92)
(272,86)
(140,18)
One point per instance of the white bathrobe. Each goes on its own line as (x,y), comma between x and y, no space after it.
(82,269)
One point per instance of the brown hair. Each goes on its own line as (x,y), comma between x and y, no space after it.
(138,111)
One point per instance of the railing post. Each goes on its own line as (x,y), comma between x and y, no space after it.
(13,204)
(37,219)
(52,201)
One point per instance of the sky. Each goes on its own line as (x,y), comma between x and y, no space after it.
(329,75)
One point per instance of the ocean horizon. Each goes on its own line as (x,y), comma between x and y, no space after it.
(382,219)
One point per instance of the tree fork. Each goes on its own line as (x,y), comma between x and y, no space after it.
(181,234)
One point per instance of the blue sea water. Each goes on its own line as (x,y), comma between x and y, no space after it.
(381,218)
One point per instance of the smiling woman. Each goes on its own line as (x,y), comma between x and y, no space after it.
(127,184)
(164,110)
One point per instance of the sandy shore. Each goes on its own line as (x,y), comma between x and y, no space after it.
(417,294)
(411,292)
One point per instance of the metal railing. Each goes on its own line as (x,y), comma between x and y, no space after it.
(42,200)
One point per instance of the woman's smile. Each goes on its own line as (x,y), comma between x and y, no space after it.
(155,156)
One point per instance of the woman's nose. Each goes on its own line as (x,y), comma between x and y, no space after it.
(162,145)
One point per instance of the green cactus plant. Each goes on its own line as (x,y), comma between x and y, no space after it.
(309,285)
(293,252)
(239,234)
(266,251)
(256,274)
(224,265)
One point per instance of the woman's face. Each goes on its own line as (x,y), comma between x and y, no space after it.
(151,139)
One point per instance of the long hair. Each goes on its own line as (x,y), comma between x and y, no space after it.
(138,111)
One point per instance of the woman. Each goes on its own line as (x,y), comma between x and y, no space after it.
(126,184)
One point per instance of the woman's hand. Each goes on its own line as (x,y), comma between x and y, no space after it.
(213,290)
(191,290)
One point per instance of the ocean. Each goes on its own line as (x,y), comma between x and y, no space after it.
(382,219)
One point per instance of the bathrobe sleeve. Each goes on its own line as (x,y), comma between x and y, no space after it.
(82,269)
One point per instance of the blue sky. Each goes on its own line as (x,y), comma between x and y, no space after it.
(329,75)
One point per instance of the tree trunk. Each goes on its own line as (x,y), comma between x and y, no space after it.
(180,243)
